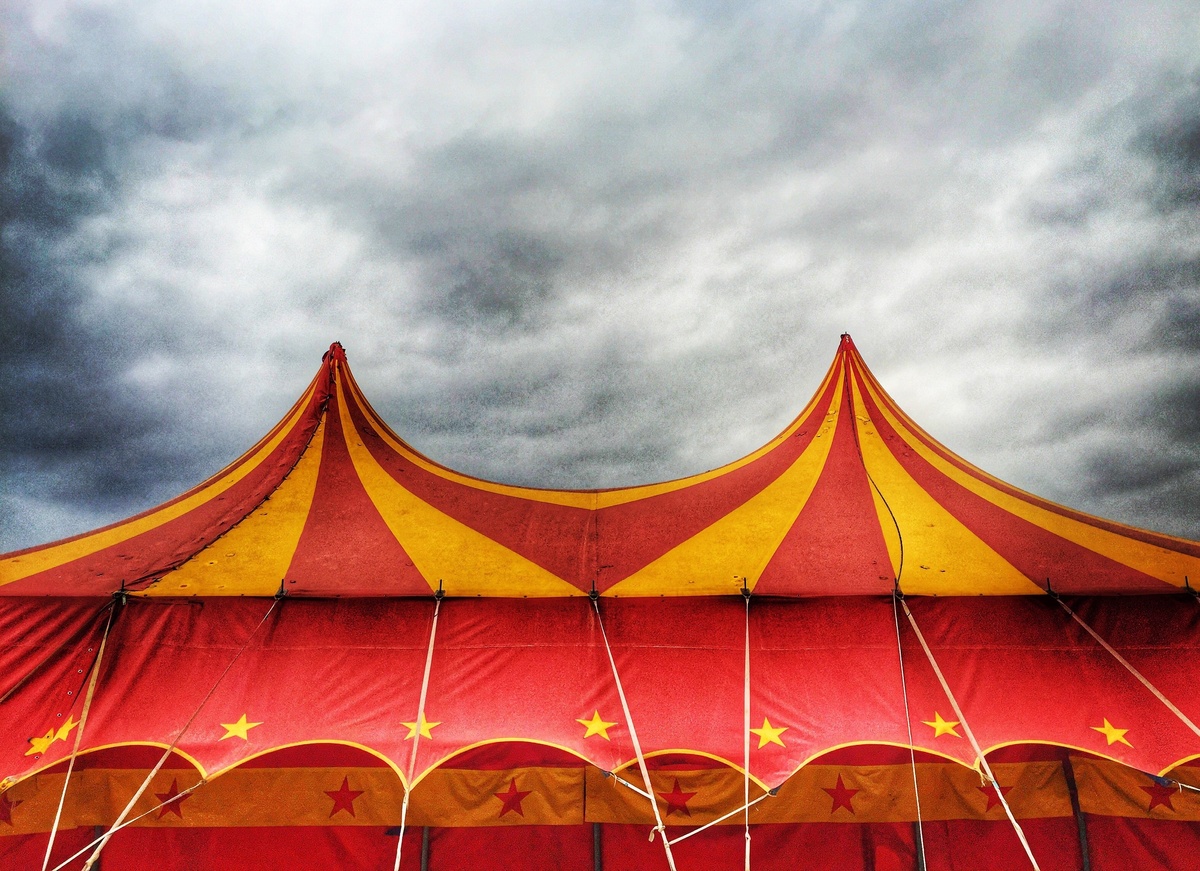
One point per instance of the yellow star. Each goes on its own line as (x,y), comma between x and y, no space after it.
(65,729)
(596,726)
(40,745)
(941,727)
(1112,733)
(769,734)
(424,728)
(241,729)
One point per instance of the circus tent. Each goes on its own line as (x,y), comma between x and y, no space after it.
(849,649)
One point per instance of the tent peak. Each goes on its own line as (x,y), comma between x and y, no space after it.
(336,351)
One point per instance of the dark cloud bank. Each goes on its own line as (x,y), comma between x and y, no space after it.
(598,246)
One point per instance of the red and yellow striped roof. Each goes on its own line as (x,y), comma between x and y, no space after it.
(850,497)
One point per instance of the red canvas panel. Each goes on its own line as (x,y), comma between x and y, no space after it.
(1159,635)
(1116,844)
(352,672)
(805,680)
(833,546)
(346,548)
(519,669)
(28,852)
(681,665)
(969,845)
(348,848)
(1128,844)
(519,848)
(337,848)
(1024,671)
(850,847)
(48,650)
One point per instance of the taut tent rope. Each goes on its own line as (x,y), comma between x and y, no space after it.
(983,764)
(1183,718)
(87,705)
(412,760)
(637,747)
(912,753)
(746,729)
(103,840)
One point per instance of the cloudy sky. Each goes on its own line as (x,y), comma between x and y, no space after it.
(592,244)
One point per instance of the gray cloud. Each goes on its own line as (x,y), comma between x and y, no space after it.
(1172,139)
(70,434)
(574,246)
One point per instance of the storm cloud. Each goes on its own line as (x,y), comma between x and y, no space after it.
(590,245)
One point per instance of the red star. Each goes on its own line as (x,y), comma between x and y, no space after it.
(172,800)
(343,799)
(992,798)
(842,796)
(677,800)
(512,798)
(1160,794)
(6,808)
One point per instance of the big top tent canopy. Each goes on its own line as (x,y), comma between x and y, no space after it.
(849,649)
